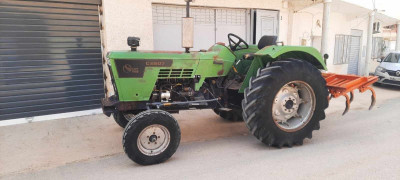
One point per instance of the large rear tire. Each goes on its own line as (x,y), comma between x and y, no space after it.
(151,137)
(285,102)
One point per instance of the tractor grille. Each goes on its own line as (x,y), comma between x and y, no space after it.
(175,73)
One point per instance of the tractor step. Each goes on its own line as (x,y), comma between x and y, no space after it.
(225,109)
(339,85)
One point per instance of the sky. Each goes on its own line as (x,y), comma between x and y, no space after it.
(391,7)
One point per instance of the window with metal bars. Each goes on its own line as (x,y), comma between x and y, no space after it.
(342,53)
(378,46)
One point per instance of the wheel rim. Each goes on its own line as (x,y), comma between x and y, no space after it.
(153,140)
(293,106)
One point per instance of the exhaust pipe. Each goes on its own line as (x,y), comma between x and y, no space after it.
(187,28)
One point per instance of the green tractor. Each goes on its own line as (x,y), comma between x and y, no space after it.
(278,91)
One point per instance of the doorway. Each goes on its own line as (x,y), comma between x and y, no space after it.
(265,22)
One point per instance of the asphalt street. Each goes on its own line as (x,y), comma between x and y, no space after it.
(361,145)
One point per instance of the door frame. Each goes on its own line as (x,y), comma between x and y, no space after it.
(253,23)
(358,32)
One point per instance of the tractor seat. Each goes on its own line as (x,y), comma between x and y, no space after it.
(262,43)
(267,41)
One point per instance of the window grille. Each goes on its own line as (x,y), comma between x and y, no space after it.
(342,47)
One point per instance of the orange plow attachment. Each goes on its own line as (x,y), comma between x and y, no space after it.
(341,85)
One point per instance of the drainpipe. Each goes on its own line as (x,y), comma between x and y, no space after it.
(369,42)
(398,37)
(325,27)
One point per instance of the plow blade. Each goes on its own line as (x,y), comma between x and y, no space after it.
(341,85)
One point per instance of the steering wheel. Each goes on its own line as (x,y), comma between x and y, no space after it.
(235,45)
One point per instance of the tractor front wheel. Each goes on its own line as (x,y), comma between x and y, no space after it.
(151,137)
(285,102)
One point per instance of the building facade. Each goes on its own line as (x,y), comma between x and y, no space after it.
(52,51)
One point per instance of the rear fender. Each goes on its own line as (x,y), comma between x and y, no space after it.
(274,53)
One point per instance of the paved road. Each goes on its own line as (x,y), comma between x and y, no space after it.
(361,145)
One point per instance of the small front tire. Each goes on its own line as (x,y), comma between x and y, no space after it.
(151,137)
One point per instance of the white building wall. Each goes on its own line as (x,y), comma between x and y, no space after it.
(305,23)
(123,18)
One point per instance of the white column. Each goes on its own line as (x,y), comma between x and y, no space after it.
(290,26)
(369,42)
(325,27)
(398,37)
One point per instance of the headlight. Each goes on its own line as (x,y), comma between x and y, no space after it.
(381,69)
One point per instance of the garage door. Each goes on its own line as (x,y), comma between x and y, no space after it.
(230,21)
(210,26)
(50,57)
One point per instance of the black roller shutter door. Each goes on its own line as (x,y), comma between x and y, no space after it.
(50,57)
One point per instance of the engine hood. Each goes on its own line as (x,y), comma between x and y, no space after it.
(390,66)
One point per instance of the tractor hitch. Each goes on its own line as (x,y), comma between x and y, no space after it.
(340,85)
(108,105)
(112,105)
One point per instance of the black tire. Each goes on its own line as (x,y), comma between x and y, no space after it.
(142,121)
(259,97)
(233,115)
(120,119)
(377,84)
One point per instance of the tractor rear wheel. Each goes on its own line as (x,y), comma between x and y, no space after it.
(151,137)
(285,102)
(233,115)
(122,118)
